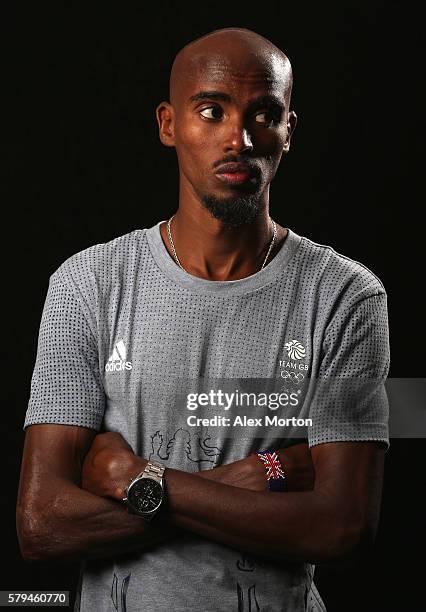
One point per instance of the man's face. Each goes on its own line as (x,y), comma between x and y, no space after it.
(231,112)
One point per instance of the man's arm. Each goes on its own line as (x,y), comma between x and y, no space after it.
(55,517)
(335,520)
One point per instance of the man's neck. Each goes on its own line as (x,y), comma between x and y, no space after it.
(211,250)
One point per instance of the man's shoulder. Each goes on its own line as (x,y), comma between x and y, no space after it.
(338,272)
(102,260)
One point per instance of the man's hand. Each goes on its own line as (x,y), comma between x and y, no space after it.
(109,465)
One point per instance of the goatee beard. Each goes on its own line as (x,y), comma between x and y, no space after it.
(235,210)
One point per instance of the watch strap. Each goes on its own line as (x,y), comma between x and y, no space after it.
(153,470)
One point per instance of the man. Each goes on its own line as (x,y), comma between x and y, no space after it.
(219,292)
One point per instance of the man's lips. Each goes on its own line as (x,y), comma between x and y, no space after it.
(234,172)
(233,177)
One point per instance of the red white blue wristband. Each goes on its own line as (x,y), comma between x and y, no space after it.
(275,474)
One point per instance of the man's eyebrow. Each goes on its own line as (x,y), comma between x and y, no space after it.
(266,101)
(211,95)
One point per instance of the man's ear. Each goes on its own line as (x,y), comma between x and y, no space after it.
(165,119)
(291,124)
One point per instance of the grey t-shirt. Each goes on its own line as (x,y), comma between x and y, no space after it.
(125,334)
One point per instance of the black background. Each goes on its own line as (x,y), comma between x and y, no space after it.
(86,165)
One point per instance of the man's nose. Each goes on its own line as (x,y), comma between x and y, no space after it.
(238,138)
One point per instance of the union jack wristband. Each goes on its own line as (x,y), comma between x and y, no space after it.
(274,470)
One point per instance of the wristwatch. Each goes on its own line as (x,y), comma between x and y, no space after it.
(145,493)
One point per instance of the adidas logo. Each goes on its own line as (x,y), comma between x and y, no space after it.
(117,361)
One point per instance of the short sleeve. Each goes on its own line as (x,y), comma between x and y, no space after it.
(350,401)
(66,385)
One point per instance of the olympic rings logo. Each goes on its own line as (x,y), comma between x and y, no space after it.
(295,376)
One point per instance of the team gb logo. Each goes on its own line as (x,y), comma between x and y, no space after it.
(295,350)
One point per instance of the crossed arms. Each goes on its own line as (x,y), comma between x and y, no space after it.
(72,480)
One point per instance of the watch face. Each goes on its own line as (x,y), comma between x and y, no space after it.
(145,495)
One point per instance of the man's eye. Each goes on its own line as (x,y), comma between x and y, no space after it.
(266,118)
(211,112)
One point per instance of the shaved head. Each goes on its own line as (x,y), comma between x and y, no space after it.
(236,49)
